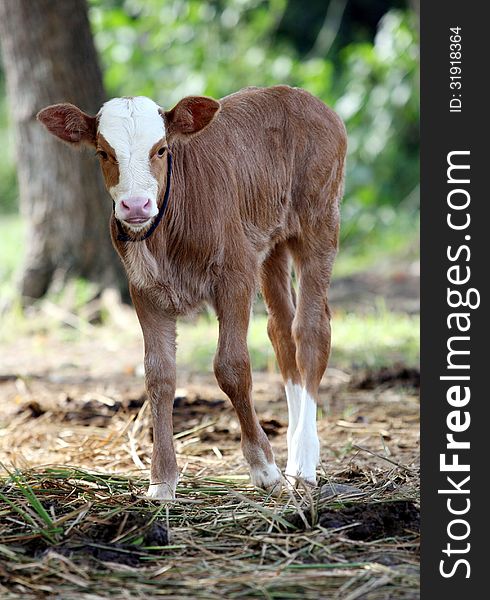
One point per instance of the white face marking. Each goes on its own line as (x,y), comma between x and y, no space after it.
(303,444)
(132,126)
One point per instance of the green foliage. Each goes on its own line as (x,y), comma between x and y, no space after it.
(380,338)
(169,49)
(380,105)
(215,48)
(180,47)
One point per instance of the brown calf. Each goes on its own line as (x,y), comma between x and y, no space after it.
(256,182)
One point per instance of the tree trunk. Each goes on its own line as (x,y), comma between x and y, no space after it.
(49,57)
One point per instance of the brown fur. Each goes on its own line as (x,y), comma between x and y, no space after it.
(257,181)
(108,162)
(158,164)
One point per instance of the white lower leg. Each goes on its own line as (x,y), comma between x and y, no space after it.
(293,397)
(304,447)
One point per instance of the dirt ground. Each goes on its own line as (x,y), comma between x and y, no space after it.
(81,405)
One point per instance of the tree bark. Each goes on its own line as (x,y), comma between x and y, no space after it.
(49,57)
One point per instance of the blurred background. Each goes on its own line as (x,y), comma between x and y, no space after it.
(75,420)
(359,56)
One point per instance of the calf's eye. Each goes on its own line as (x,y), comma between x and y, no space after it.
(103,155)
(161,151)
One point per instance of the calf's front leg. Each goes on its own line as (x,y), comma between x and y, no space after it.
(159,332)
(234,376)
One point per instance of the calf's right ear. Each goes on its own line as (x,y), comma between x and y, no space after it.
(69,123)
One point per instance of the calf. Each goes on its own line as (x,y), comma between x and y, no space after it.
(211,199)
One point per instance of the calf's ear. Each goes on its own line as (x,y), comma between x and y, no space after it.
(69,123)
(190,115)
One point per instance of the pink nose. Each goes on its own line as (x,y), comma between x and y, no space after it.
(136,209)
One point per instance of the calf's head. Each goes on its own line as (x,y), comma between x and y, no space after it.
(131,137)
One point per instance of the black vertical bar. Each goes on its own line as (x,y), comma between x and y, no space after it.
(445,130)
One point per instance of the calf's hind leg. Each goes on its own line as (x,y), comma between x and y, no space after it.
(311,333)
(234,376)
(279,297)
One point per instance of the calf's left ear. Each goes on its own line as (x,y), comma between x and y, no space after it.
(191,115)
(69,123)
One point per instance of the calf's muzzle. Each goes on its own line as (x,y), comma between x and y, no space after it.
(136,209)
